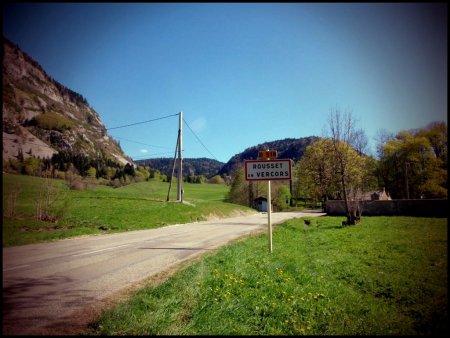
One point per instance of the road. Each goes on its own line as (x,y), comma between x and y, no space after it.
(59,287)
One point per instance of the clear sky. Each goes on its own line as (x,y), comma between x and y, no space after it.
(241,73)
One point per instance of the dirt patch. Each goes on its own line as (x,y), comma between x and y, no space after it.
(235,213)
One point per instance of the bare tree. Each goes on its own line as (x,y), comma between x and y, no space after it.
(349,168)
(11,201)
(46,198)
(381,138)
(360,142)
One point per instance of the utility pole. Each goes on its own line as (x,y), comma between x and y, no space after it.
(180,160)
(173,168)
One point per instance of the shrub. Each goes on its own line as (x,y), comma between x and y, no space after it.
(53,121)
(91,172)
(77,184)
(216,180)
(283,197)
(31,166)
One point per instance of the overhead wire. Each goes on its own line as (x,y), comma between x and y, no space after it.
(187,124)
(160,118)
(145,144)
(144,157)
(150,145)
(137,123)
(199,140)
(134,124)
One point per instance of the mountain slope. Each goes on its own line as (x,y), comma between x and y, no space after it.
(289,148)
(42,117)
(191,166)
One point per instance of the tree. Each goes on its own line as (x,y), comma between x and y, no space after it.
(129,170)
(414,163)
(360,142)
(91,172)
(349,164)
(318,175)
(315,172)
(217,179)
(437,134)
(282,197)
(381,138)
(239,188)
(31,166)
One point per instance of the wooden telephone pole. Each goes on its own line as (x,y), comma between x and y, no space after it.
(178,147)
(180,160)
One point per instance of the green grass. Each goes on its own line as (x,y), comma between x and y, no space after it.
(132,207)
(385,276)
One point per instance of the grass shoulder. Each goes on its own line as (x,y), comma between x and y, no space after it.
(385,276)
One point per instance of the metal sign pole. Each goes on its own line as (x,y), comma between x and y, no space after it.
(267,169)
(269,214)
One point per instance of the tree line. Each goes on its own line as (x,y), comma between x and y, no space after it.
(409,165)
(80,170)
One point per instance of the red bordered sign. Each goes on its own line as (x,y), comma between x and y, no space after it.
(268,170)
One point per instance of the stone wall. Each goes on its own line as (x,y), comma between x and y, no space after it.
(423,208)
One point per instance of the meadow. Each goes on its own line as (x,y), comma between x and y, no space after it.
(102,209)
(384,276)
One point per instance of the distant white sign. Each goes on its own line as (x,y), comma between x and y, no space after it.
(268,170)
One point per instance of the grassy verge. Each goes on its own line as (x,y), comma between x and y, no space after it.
(385,276)
(102,209)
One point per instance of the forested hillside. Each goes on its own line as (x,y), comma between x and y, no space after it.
(289,148)
(191,166)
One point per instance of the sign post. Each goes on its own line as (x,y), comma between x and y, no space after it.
(266,168)
(269,215)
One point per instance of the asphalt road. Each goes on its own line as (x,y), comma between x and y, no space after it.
(58,287)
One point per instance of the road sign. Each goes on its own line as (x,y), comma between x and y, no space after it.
(266,154)
(267,170)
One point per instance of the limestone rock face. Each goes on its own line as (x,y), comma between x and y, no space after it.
(42,117)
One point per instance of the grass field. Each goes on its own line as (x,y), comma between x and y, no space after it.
(102,209)
(385,276)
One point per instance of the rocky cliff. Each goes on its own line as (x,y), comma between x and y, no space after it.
(42,117)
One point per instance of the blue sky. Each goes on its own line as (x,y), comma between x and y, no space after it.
(241,73)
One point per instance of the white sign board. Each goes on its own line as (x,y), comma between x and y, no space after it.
(260,170)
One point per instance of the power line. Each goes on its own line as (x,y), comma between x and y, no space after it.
(145,144)
(147,157)
(148,121)
(134,124)
(200,140)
